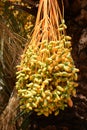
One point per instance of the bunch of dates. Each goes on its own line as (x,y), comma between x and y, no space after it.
(47,77)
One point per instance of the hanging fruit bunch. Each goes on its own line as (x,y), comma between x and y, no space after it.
(46,77)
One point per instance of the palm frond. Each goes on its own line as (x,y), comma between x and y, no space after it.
(11,47)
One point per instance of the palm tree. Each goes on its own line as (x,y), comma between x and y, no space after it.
(13,38)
